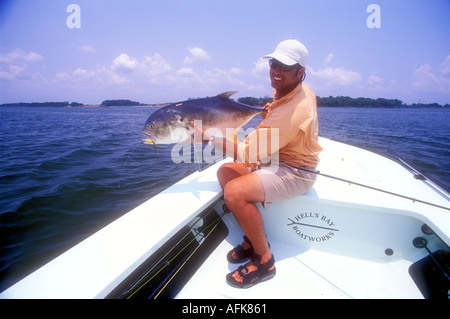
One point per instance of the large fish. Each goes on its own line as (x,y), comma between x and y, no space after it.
(172,123)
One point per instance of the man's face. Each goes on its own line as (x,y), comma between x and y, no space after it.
(284,78)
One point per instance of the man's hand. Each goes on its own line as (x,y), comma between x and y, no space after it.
(200,132)
(265,108)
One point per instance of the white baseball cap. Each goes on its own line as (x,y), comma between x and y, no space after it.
(290,52)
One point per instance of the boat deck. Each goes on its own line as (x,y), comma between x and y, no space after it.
(340,240)
(305,274)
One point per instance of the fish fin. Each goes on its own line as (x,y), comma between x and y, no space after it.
(226,95)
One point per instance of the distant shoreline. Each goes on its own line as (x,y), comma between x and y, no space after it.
(162,105)
(70,106)
(320,107)
(331,101)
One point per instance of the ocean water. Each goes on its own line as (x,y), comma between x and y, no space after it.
(67,172)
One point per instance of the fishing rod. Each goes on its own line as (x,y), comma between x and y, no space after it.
(373,188)
(169,278)
(418,173)
(167,258)
(370,187)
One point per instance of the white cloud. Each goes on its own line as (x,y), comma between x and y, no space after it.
(123,63)
(81,72)
(138,78)
(335,77)
(12,72)
(328,59)
(157,63)
(86,48)
(261,67)
(155,69)
(197,55)
(374,80)
(123,70)
(445,66)
(87,79)
(335,80)
(15,64)
(185,72)
(375,83)
(426,79)
(19,56)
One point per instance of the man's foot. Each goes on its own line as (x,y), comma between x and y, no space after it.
(241,252)
(252,273)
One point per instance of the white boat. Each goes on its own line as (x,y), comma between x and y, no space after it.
(367,229)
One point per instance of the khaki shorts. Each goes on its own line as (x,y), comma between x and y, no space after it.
(285,181)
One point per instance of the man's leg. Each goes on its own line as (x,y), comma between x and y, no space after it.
(229,171)
(241,191)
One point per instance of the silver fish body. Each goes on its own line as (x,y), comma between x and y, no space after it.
(219,114)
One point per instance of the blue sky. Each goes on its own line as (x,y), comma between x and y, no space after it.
(160,51)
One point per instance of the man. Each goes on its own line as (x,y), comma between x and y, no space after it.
(292,117)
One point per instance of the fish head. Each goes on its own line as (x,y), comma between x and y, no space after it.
(166,128)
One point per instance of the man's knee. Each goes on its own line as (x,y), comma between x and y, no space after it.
(233,195)
(230,171)
(223,171)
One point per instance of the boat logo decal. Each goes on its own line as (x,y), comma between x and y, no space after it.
(313,227)
(195,225)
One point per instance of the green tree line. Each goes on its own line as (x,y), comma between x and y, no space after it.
(346,101)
